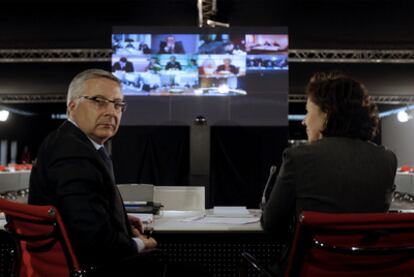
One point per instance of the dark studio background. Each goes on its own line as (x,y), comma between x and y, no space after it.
(240,157)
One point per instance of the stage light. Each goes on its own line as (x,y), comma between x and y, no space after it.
(198,91)
(213,23)
(403,116)
(223,89)
(4,115)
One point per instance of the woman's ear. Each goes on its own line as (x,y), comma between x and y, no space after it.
(325,123)
(325,119)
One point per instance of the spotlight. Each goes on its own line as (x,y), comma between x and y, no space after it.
(403,116)
(4,115)
(213,23)
(198,91)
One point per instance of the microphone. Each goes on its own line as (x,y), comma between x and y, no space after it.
(273,170)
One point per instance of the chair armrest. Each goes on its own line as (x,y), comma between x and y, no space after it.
(249,259)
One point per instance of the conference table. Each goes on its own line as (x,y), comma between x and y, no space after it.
(14,180)
(216,242)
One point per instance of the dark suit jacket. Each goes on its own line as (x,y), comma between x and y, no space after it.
(128,67)
(338,175)
(70,174)
(178,48)
(233,69)
(171,65)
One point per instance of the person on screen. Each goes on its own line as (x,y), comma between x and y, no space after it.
(239,48)
(192,66)
(340,170)
(215,44)
(173,64)
(153,65)
(208,67)
(116,45)
(170,46)
(227,67)
(144,48)
(123,65)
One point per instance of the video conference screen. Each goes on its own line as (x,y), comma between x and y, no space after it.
(232,76)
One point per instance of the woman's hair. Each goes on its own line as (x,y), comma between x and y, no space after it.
(347,105)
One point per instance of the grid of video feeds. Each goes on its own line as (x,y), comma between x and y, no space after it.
(195,64)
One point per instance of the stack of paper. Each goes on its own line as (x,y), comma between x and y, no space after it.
(231,212)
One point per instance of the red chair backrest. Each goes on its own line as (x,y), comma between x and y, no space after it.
(43,246)
(376,244)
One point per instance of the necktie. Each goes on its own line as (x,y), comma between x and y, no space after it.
(108,162)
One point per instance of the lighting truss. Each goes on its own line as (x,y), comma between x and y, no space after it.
(295,55)
(54,55)
(350,56)
(378,99)
(32,98)
(206,9)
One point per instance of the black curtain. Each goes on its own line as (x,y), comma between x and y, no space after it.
(151,155)
(239,162)
(241,158)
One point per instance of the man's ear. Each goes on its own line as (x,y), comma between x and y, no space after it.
(71,106)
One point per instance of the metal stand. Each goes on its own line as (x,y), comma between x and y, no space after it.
(200,156)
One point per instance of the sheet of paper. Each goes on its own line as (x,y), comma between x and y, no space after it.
(228,220)
(230,212)
(193,218)
(145,218)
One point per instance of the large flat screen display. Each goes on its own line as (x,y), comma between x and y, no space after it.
(232,76)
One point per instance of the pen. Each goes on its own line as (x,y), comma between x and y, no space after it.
(149,232)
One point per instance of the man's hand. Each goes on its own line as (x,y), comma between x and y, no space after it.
(136,225)
(150,243)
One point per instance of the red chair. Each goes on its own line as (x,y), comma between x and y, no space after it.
(353,245)
(405,168)
(349,245)
(43,246)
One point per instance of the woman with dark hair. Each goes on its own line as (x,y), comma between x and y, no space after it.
(346,105)
(340,170)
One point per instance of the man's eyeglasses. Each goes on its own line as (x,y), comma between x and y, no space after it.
(103,103)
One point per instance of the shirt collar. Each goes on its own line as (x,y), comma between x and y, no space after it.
(96,145)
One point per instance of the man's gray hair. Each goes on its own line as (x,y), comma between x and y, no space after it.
(76,86)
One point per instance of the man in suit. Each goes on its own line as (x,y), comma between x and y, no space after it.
(123,65)
(173,64)
(170,46)
(74,173)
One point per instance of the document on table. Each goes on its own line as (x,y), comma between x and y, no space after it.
(229,220)
(225,215)
(231,212)
(145,218)
(221,220)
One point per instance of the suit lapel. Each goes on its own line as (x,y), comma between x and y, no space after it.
(119,209)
